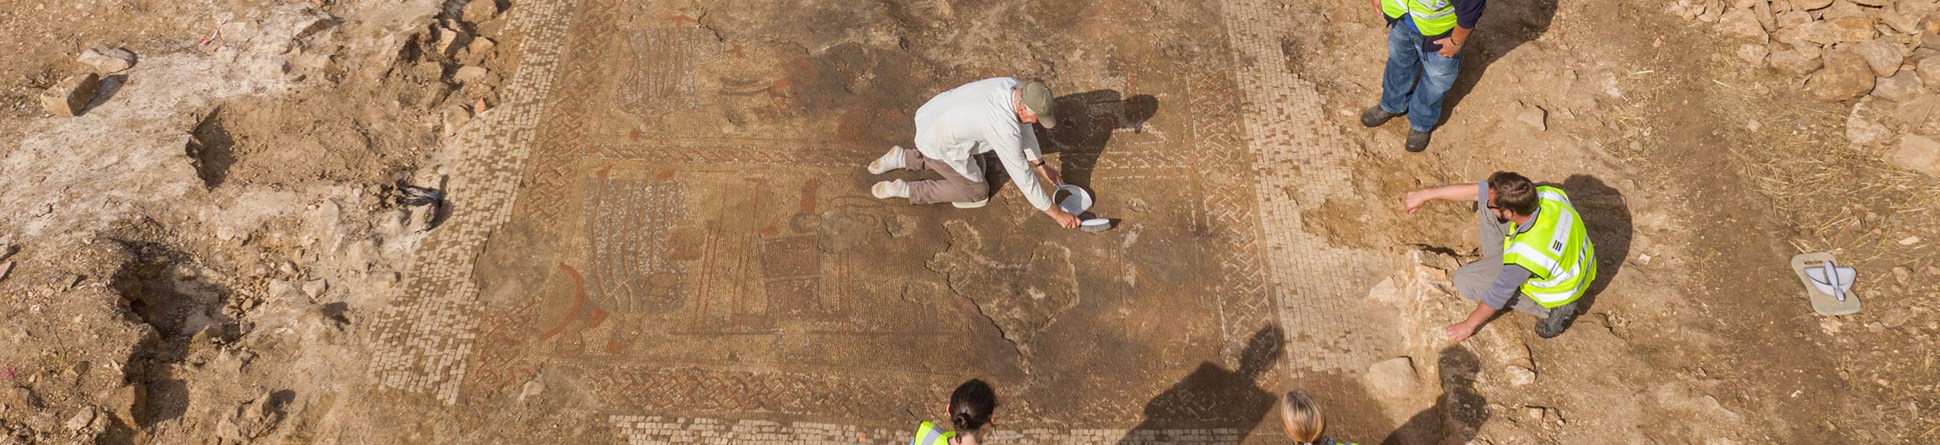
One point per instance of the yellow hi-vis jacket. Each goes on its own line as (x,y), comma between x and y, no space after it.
(1432,17)
(1556,250)
(929,434)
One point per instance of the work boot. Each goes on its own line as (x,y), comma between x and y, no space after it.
(1417,141)
(1375,116)
(1558,320)
(888,162)
(890,189)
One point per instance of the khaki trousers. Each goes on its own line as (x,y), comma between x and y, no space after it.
(954,187)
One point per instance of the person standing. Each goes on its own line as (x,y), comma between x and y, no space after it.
(953,132)
(1536,253)
(1425,42)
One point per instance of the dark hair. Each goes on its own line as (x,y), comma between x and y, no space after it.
(1513,192)
(971,405)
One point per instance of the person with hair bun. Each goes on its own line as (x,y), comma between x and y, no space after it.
(971,406)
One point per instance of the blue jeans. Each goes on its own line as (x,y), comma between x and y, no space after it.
(1400,93)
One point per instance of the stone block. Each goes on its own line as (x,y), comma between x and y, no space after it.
(108,60)
(71,96)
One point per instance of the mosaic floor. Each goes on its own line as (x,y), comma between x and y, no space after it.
(675,216)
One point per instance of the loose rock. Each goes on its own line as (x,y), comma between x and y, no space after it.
(81,420)
(1796,62)
(1819,32)
(1882,54)
(1841,9)
(1753,53)
(1534,116)
(1742,23)
(1393,378)
(469,74)
(71,96)
(108,60)
(1916,153)
(1873,3)
(1929,68)
(1900,21)
(1794,19)
(1853,28)
(450,39)
(480,11)
(316,288)
(1898,88)
(1845,76)
(1862,125)
(1809,5)
(1519,376)
(1766,19)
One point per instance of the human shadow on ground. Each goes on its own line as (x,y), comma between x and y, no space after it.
(1213,397)
(1607,217)
(1085,124)
(1505,26)
(1458,414)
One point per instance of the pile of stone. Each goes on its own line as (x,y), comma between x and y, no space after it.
(456,51)
(1886,53)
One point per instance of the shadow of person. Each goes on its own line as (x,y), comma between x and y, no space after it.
(1607,217)
(1505,26)
(1085,124)
(1458,414)
(1212,397)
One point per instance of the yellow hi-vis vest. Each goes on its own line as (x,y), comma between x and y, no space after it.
(1556,250)
(929,434)
(1432,17)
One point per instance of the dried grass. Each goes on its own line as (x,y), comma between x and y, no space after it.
(1846,200)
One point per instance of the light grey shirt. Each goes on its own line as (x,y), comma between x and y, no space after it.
(976,118)
(1511,278)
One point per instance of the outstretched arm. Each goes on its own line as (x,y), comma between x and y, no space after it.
(1451,192)
(1467,327)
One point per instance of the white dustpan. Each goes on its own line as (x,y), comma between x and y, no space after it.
(1831,278)
(1076,199)
(1827,284)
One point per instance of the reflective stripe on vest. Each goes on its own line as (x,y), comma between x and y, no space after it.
(929,434)
(1556,250)
(1432,17)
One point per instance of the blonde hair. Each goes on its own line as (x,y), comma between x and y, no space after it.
(1300,417)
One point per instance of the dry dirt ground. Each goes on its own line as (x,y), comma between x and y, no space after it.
(658,228)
